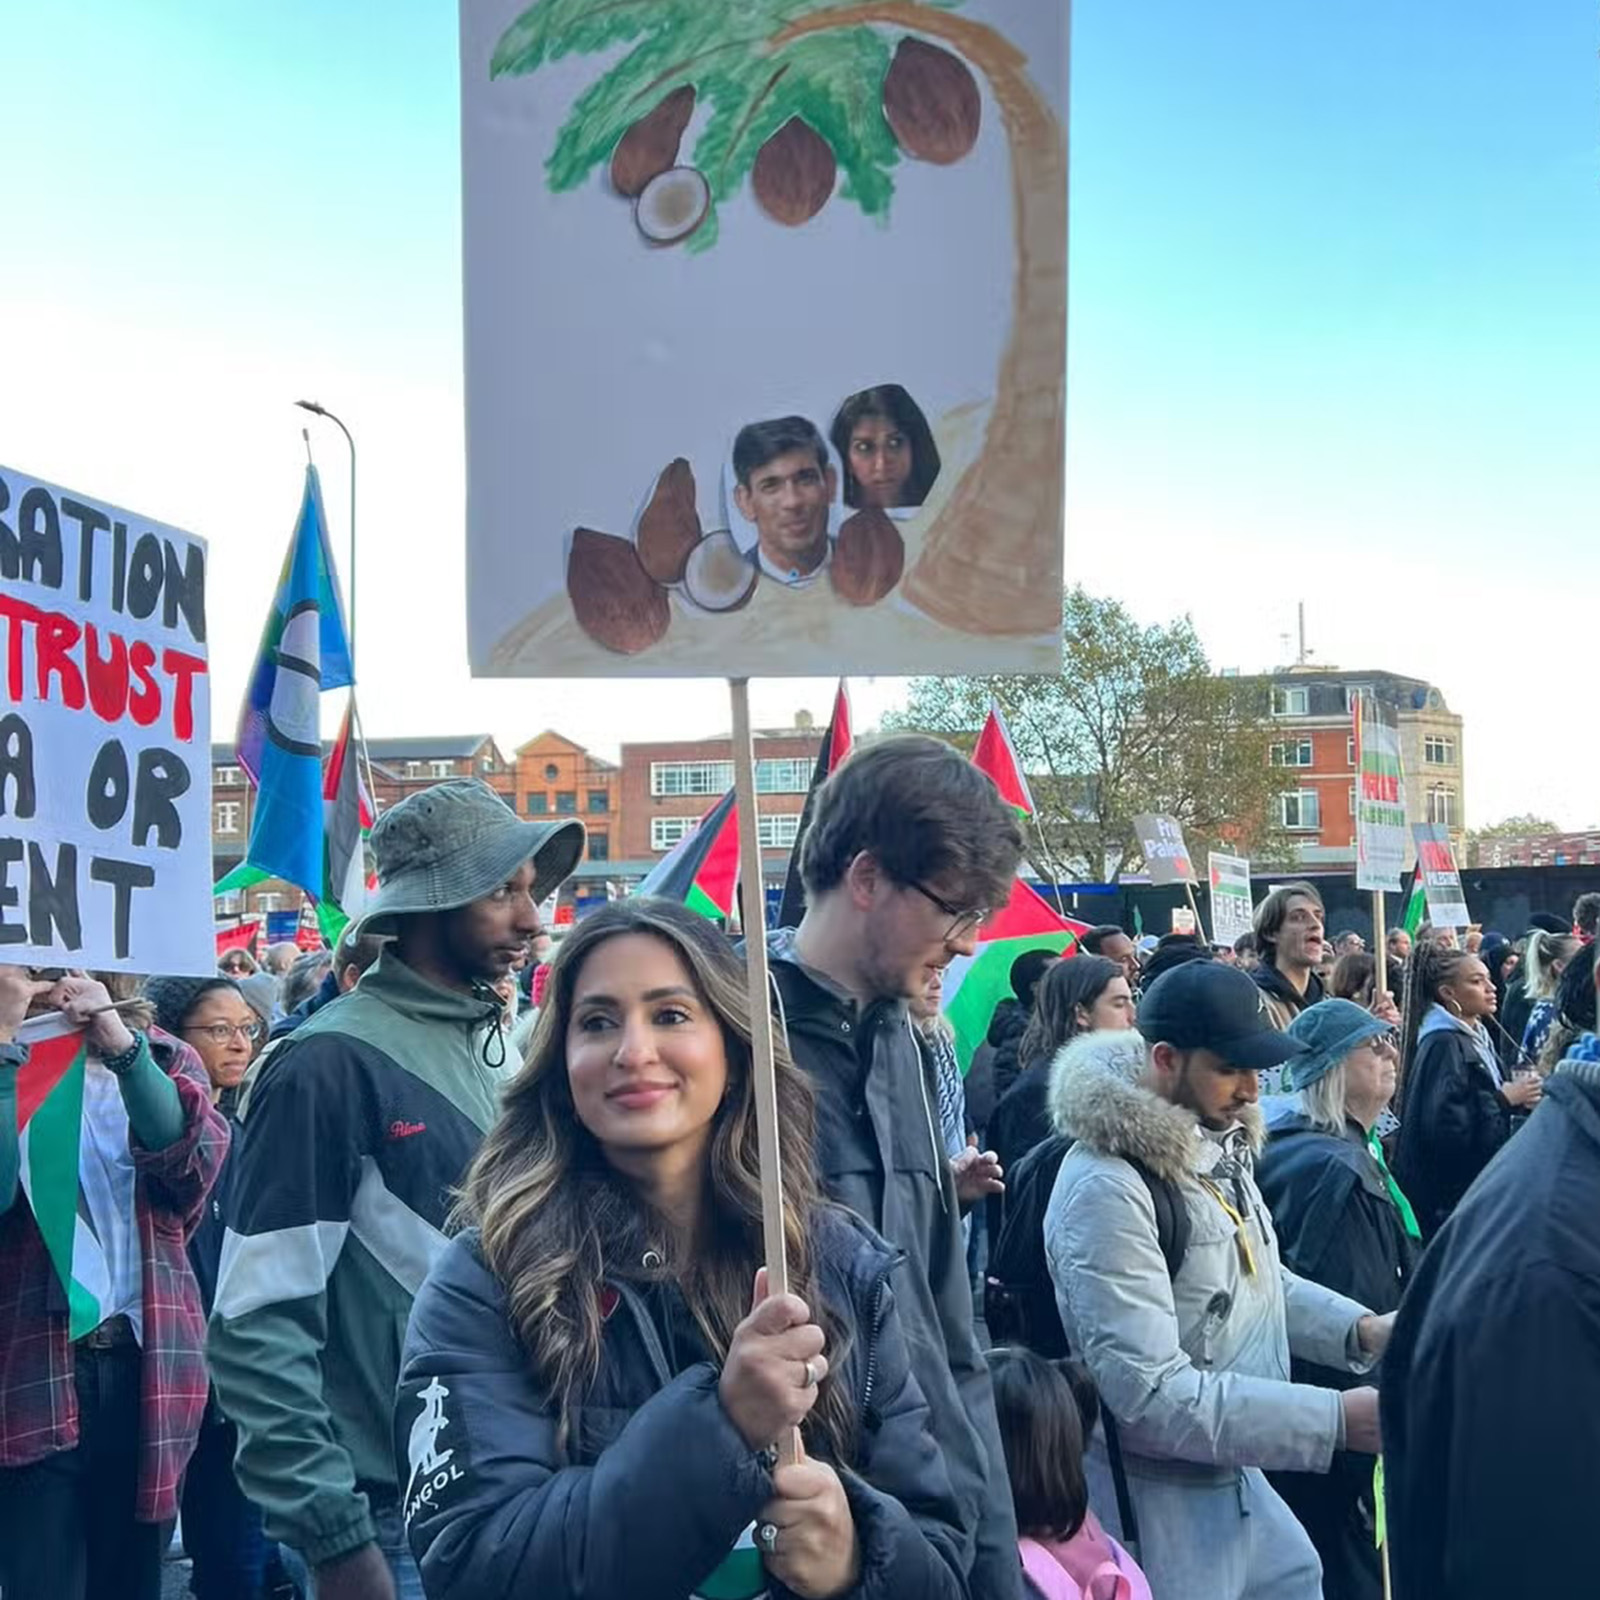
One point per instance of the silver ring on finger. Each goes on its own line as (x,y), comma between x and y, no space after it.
(809,1381)
(767,1538)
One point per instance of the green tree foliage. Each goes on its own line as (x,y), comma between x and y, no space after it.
(752,76)
(1516,827)
(1136,722)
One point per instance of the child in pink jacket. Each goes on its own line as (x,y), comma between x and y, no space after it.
(1044,1416)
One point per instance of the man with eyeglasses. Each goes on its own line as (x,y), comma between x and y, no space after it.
(909,848)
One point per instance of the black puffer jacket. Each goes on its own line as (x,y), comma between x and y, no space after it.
(656,1486)
(1338,1226)
(1453,1119)
(1006,1028)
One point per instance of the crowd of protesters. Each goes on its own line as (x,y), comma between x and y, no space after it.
(433,1264)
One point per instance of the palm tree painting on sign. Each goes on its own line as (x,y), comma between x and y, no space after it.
(814,103)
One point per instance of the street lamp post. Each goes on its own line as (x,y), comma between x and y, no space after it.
(322,411)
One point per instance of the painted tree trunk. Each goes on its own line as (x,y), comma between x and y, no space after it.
(991,548)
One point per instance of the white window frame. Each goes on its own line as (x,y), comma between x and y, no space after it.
(784,775)
(778,830)
(1300,797)
(1438,750)
(1350,750)
(225,816)
(1353,692)
(692,779)
(1304,754)
(1289,702)
(268,901)
(1444,805)
(227,777)
(668,832)
(229,904)
(441,769)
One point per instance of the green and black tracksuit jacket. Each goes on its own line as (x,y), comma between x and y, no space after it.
(356,1131)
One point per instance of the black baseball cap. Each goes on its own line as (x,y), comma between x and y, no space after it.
(1208,1005)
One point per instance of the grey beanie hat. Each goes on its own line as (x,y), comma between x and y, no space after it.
(454,842)
(260,991)
(1330,1030)
(172,999)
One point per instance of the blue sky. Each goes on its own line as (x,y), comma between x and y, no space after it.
(1334,336)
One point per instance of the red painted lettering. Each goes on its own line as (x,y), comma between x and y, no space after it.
(108,674)
(182,668)
(144,704)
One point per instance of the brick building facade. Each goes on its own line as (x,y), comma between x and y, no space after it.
(1314,747)
(669,785)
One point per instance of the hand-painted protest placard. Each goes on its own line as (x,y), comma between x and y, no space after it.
(105,773)
(1166,856)
(1380,796)
(1232,909)
(1441,881)
(765,335)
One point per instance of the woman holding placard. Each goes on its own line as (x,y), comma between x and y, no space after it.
(595,1379)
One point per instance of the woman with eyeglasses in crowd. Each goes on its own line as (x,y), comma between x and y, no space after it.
(1343,1222)
(222,1531)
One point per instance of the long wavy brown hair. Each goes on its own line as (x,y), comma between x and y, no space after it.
(557,1221)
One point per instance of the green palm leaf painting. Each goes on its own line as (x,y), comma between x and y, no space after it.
(758,70)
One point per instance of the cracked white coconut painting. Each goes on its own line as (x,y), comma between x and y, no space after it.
(765,335)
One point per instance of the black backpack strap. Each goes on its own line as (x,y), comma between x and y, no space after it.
(1172,1235)
(1126,1515)
(1172,1216)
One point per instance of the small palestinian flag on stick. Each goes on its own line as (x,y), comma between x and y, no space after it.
(702,869)
(49,1121)
(836,744)
(996,755)
(1416,911)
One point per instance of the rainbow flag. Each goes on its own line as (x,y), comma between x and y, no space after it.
(49,1128)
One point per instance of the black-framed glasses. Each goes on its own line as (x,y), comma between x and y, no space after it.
(222,1032)
(962,922)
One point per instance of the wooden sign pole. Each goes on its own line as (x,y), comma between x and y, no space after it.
(1380,946)
(1194,906)
(754,909)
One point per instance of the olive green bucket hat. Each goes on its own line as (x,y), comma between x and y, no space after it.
(454,842)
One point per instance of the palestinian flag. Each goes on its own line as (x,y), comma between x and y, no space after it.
(347,817)
(996,755)
(974,985)
(49,1122)
(702,869)
(241,937)
(1416,911)
(835,747)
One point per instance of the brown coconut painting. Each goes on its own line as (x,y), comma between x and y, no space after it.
(815,103)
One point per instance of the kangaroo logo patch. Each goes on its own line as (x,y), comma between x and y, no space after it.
(436,1465)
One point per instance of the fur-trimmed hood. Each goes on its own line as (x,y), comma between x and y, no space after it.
(1095,1098)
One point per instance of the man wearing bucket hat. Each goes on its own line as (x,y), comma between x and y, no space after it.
(1168,1280)
(358,1128)
(1342,1222)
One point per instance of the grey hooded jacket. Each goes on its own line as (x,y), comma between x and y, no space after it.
(1194,1368)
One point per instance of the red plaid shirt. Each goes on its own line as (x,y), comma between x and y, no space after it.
(38,1399)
